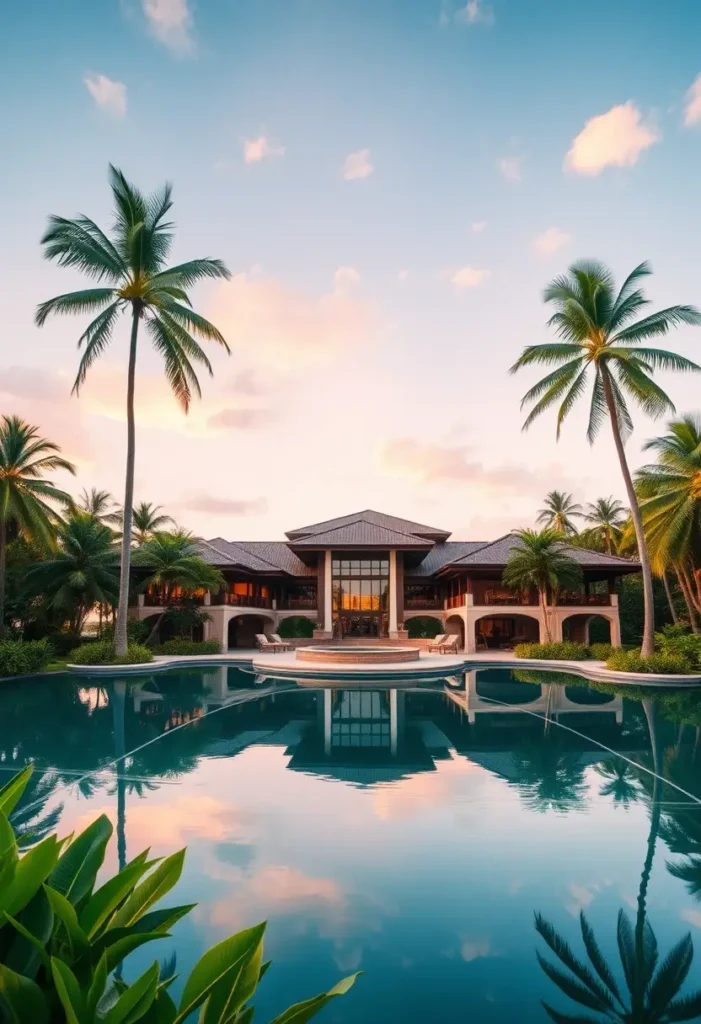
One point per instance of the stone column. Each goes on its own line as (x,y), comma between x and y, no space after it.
(328,593)
(393,594)
(393,722)
(327,722)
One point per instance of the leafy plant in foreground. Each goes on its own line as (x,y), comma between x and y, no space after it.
(62,938)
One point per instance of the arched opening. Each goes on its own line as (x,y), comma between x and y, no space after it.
(503,632)
(588,697)
(587,629)
(175,624)
(455,624)
(243,628)
(423,627)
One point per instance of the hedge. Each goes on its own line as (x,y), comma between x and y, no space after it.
(188,647)
(102,653)
(657,664)
(423,627)
(566,650)
(23,657)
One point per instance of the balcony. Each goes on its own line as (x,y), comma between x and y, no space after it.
(242,600)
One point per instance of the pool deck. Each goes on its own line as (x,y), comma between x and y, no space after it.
(435,665)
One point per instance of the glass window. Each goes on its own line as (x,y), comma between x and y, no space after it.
(365,568)
(241,589)
(355,594)
(336,566)
(355,566)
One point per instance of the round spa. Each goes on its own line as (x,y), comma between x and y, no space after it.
(357,655)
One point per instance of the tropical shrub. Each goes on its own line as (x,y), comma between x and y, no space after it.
(296,626)
(102,653)
(567,650)
(424,627)
(62,937)
(602,652)
(678,640)
(657,664)
(181,646)
(22,657)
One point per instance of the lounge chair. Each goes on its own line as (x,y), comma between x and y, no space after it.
(264,644)
(437,641)
(450,644)
(277,639)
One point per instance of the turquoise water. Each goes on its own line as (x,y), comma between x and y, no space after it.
(409,833)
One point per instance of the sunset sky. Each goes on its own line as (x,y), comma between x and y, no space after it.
(391,183)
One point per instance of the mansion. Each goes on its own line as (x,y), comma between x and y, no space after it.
(367,575)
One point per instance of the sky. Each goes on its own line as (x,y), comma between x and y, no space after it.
(391,183)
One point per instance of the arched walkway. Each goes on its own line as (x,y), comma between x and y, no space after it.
(502,632)
(455,624)
(585,629)
(242,629)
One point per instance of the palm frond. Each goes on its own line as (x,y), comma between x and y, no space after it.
(193,322)
(73,302)
(570,399)
(649,395)
(658,324)
(96,339)
(184,275)
(72,245)
(179,371)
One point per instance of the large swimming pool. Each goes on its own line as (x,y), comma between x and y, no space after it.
(408,832)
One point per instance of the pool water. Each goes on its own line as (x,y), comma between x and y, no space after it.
(408,833)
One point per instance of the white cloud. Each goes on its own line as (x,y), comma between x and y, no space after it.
(108,95)
(357,165)
(346,277)
(478,227)
(614,139)
(550,241)
(402,276)
(171,23)
(475,12)
(692,108)
(510,167)
(225,506)
(466,277)
(255,150)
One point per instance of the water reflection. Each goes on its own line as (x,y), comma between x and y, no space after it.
(410,830)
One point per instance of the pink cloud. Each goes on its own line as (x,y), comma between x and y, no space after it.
(692,107)
(262,148)
(614,139)
(357,165)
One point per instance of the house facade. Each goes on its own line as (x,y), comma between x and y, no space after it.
(366,575)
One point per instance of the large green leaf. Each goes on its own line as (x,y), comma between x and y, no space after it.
(158,883)
(161,920)
(301,1012)
(66,914)
(34,926)
(68,991)
(232,993)
(221,961)
(74,875)
(161,1011)
(32,869)
(22,998)
(8,846)
(97,987)
(107,898)
(31,942)
(12,791)
(133,1004)
(119,950)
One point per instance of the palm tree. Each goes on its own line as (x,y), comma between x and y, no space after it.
(82,573)
(607,516)
(598,332)
(131,268)
(148,520)
(99,504)
(25,457)
(175,569)
(559,511)
(620,781)
(538,561)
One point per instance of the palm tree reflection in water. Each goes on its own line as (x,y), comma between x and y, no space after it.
(651,993)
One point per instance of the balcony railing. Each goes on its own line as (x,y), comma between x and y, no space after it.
(156,600)
(302,604)
(428,604)
(242,600)
(599,600)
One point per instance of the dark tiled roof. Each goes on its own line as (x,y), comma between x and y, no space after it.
(391,523)
(444,554)
(497,554)
(361,534)
(254,556)
(278,553)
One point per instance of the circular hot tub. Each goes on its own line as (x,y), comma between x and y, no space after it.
(357,655)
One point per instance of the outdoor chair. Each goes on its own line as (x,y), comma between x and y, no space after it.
(277,639)
(436,642)
(449,645)
(264,644)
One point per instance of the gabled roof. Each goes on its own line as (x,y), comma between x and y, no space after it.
(361,534)
(378,519)
(254,556)
(497,553)
(443,554)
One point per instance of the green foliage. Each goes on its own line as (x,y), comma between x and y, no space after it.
(22,657)
(539,561)
(565,649)
(423,627)
(677,640)
(190,647)
(560,509)
(62,936)
(296,626)
(173,565)
(602,652)
(102,653)
(137,631)
(656,664)
(631,607)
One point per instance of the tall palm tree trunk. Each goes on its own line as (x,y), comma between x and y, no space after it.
(648,645)
(688,596)
(3,573)
(546,621)
(655,814)
(670,599)
(120,633)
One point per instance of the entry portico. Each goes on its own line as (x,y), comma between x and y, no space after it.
(367,575)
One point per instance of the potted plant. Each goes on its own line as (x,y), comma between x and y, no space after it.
(402,633)
(320,633)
